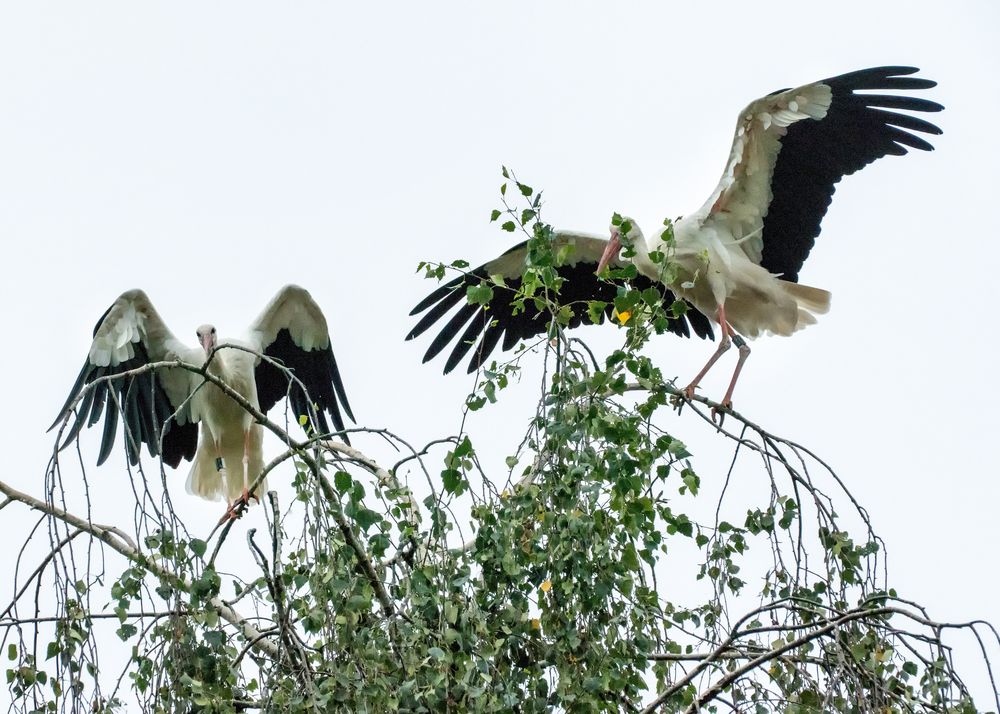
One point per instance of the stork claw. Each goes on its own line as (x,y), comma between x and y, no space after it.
(720,410)
(685,395)
(237,507)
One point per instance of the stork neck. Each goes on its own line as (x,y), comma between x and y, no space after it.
(217,367)
(641,258)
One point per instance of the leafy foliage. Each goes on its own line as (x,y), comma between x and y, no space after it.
(606,574)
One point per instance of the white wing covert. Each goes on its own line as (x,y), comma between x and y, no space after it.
(293,331)
(153,404)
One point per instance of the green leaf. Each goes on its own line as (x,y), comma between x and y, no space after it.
(479,294)
(12,651)
(630,558)
(452,480)
(343,481)
(198,547)
(509,226)
(595,311)
(464,448)
(691,480)
(526,190)
(495,215)
(365,518)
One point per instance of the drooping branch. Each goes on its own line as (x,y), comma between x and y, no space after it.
(120,545)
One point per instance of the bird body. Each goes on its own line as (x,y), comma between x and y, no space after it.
(165,408)
(713,269)
(226,427)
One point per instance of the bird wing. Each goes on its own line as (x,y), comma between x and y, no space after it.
(791,148)
(292,330)
(488,323)
(153,404)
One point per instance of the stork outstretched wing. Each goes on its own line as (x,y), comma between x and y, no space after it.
(154,403)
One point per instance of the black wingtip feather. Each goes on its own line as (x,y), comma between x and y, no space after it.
(444,305)
(450,330)
(318,372)
(338,385)
(498,324)
(438,293)
(816,154)
(906,121)
(142,400)
(486,345)
(110,429)
(467,340)
(896,101)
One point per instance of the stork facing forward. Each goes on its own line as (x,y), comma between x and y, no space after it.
(161,408)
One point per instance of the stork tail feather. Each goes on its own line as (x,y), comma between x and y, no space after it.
(810,299)
(209,482)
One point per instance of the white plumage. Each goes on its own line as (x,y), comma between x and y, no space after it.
(163,408)
(739,255)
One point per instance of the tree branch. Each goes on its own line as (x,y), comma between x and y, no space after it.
(117,543)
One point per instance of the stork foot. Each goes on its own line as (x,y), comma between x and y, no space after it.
(720,411)
(238,507)
(679,400)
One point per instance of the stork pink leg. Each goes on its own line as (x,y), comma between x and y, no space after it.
(246,467)
(236,508)
(727,401)
(724,344)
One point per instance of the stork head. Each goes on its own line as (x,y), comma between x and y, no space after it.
(207,338)
(624,233)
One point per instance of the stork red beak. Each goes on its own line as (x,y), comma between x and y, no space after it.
(611,252)
(206,343)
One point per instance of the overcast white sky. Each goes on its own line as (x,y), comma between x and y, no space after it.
(211,152)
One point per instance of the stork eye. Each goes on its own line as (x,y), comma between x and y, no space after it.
(213,330)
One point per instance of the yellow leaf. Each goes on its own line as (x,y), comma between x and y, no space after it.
(546,586)
(303,420)
(536,624)
(623,317)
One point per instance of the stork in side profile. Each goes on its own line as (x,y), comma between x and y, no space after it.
(161,408)
(741,252)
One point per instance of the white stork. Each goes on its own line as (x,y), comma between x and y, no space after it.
(738,256)
(162,408)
